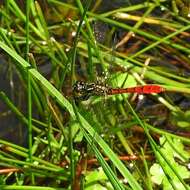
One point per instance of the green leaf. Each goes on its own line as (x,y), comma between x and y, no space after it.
(173,148)
(95,179)
(157,174)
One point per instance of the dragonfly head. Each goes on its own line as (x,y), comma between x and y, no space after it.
(80,91)
(79,86)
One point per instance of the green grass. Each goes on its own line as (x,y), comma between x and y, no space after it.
(134,148)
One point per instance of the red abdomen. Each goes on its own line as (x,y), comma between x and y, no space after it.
(146,89)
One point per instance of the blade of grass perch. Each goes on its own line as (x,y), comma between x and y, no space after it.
(63,102)
(110,174)
(29,90)
(73,57)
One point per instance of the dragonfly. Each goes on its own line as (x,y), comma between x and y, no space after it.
(84,90)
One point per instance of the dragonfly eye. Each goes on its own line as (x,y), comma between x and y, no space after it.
(79,91)
(79,86)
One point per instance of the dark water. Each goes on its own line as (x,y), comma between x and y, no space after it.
(10,127)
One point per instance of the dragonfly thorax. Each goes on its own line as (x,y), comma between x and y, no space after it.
(83,90)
